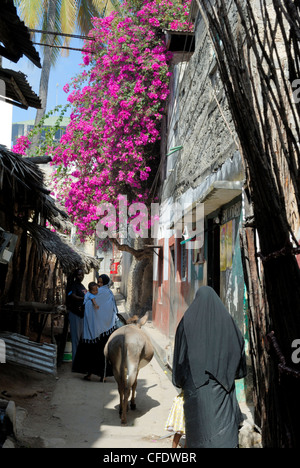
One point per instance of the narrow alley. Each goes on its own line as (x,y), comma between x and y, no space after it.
(69,412)
(81,414)
(162,191)
(66,411)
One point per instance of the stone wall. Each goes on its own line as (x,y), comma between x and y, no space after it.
(199,119)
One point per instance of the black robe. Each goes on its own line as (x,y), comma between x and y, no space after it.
(208,357)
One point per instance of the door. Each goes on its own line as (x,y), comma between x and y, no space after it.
(213,256)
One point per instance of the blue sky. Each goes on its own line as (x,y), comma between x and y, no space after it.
(64,70)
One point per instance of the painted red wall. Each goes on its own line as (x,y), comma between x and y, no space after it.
(162,291)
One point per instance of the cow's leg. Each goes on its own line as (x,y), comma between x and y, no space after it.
(120,383)
(130,386)
(121,395)
(132,403)
(125,403)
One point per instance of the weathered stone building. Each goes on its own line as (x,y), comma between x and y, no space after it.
(201,166)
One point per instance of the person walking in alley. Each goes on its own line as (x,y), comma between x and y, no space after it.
(175,422)
(75,297)
(208,357)
(98,325)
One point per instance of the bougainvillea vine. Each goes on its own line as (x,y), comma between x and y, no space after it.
(109,149)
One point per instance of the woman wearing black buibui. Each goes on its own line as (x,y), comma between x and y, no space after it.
(75,296)
(209,356)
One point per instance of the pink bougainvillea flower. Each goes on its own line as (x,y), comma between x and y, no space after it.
(109,151)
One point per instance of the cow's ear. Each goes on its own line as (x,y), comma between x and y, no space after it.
(143,319)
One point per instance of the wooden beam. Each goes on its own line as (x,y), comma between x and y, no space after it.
(19,92)
(39,159)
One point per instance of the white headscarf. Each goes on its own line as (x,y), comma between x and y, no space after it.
(99,321)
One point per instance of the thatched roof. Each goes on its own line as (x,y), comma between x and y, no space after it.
(24,182)
(69,257)
(15,36)
(22,185)
(18,91)
(12,165)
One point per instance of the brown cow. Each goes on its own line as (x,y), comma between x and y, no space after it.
(128,349)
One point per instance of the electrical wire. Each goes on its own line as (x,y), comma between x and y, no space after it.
(54,33)
(62,47)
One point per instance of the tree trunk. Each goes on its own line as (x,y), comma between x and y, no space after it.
(139,254)
(45,73)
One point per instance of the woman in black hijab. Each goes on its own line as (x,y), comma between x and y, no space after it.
(75,297)
(208,357)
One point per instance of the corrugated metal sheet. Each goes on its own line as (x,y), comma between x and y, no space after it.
(20,350)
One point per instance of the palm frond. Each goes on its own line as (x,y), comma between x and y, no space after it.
(31,12)
(85,11)
(115,5)
(105,7)
(95,8)
(67,19)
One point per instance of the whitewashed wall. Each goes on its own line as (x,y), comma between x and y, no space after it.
(5,123)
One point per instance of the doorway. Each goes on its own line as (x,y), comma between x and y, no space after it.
(213,256)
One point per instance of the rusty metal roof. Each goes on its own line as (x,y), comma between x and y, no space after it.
(20,350)
(17,90)
(14,35)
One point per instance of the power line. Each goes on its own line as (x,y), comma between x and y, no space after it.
(62,47)
(54,33)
